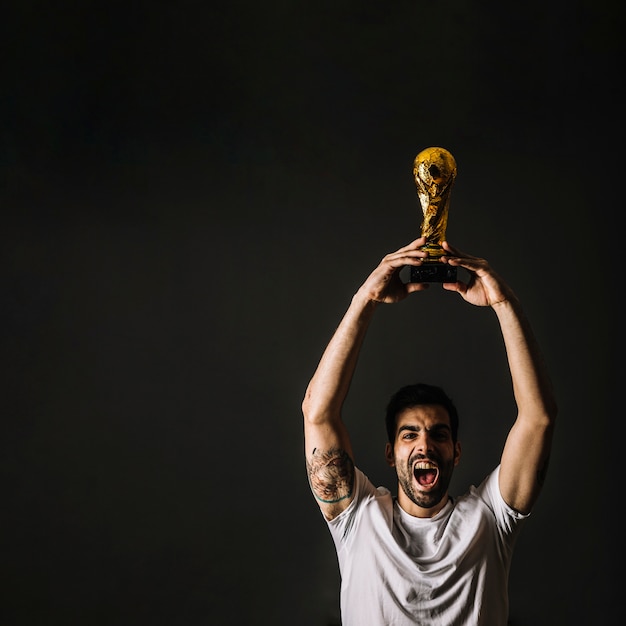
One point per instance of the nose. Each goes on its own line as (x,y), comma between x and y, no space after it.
(424,442)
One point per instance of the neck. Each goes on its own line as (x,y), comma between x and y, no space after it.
(410,507)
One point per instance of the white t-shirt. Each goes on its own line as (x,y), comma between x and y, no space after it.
(447,570)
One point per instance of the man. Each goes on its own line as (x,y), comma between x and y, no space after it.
(423,557)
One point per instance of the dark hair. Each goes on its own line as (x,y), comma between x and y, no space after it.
(416,395)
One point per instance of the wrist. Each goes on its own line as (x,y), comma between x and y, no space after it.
(509,304)
(363,300)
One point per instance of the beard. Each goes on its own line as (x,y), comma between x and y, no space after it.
(433,496)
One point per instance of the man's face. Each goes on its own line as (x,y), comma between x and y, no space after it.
(424,456)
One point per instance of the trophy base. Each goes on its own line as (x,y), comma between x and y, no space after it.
(433,273)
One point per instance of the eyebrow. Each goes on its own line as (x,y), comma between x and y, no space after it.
(416,429)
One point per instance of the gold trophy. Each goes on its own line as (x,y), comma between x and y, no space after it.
(434,170)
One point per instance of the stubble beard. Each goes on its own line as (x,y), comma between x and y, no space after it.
(431,498)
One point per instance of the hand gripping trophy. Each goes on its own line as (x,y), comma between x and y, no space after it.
(434,170)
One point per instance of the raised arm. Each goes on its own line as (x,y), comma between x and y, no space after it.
(328,452)
(527,449)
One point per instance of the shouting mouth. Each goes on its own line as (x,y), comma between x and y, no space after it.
(426,473)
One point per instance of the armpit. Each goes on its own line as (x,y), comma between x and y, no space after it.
(331,475)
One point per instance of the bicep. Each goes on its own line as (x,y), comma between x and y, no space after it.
(330,467)
(524,465)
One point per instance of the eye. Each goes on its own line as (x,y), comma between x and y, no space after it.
(408,436)
(440,435)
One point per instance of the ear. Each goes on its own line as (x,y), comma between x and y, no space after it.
(389,455)
(457,452)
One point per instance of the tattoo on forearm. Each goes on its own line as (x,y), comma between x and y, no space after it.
(331,474)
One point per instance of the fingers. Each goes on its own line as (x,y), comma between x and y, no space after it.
(413,287)
(463,259)
(416,243)
(411,254)
(456,252)
(451,249)
(460,287)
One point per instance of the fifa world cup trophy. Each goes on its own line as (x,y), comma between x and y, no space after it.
(434,170)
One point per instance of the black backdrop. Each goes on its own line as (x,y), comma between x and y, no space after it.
(190,195)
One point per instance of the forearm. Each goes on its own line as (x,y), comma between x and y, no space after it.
(531,382)
(329,386)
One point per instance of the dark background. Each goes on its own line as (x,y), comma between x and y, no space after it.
(190,195)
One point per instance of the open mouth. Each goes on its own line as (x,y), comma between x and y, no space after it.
(426,473)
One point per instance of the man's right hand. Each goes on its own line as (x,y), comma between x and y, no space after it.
(384,283)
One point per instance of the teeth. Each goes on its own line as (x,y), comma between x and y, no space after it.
(425,465)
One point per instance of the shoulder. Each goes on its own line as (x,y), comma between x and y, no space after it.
(487,497)
(368,501)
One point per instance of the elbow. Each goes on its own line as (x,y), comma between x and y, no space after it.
(545,406)
(551,404)
(308,407)
(316,411)
(552,409)
(549,413)
(306,404)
